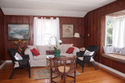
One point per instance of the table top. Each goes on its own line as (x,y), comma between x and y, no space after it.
(50,56)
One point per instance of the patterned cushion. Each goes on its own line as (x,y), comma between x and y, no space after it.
(89,53)
(18,56)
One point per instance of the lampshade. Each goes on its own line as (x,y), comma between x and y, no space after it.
(77,35)
(60,41)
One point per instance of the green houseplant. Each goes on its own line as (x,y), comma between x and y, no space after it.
(56,52)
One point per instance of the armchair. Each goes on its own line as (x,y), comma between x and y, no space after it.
(84,57)
(24,63)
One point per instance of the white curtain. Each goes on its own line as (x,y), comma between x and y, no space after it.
(46,31)
(118,32)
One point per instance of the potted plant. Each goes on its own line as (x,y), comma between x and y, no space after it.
(56,52)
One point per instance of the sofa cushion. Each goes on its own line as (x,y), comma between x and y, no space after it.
(64,47)
(31,46)
(40,57)
(76,50)
(43,49)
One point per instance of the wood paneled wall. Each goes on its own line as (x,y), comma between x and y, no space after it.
(77,22)
(15,20)
(120,66)
(1,37)
(95,25)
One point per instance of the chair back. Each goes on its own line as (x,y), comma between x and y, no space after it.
(63,65)
(12,53)
(92,48)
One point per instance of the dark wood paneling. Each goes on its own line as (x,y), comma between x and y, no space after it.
(15,20)
(77,22)
(95,26)
(106,61)
(1,37)
(113,64)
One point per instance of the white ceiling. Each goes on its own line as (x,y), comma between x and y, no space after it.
(70,8)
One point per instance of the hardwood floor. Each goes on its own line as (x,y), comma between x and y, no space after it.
(89,76)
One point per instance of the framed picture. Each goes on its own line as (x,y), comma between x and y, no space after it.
(67,30)
(18,31)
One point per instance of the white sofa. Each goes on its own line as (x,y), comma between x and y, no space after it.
(37,61)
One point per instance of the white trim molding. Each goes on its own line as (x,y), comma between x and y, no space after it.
(111,69)
(2,64)
(7,61)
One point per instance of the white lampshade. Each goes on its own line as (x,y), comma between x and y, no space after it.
(60,41)
(77,35)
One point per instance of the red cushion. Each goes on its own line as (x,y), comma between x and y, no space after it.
(70,50)
(35,52)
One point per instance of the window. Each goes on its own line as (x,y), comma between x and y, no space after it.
(46,31)
(115,31)
(109,29)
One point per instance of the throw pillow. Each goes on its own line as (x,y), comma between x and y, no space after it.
(117,50)
(35,52)
(70,50)
(18,56)
(108,49)
(88,53)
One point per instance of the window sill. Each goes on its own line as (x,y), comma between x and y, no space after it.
(116,57)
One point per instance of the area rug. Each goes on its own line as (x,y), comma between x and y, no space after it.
(44,74)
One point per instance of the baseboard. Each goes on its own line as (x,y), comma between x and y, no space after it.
(2,64)
(6,61)
(111,70)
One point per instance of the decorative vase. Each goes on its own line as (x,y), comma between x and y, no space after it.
(57,53)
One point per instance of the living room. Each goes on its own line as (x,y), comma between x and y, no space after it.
(88,23)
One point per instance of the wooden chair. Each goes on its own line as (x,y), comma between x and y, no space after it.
(82,58)
(63,67)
